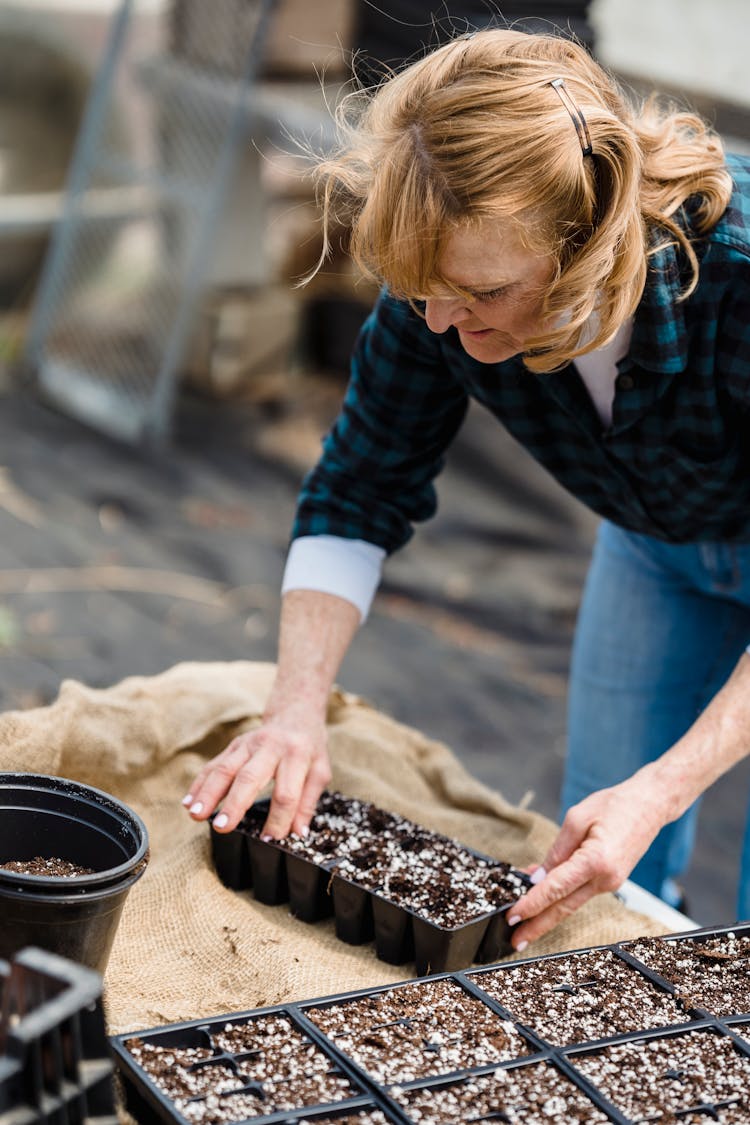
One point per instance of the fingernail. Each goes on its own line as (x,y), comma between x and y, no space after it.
(521,946)
(187,800)
(538,875)
(221,820)
(267,839)
(514,919)
(306,830)
(197,807)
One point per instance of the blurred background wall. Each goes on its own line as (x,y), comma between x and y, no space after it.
(694,45)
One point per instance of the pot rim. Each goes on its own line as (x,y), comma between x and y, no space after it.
(75,885)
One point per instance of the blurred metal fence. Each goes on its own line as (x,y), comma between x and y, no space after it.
(132,252)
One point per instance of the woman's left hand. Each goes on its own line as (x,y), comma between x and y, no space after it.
(599,844)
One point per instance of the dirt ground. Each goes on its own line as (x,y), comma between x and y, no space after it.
(114,562)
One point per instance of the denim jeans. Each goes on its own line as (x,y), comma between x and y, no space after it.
(660,628)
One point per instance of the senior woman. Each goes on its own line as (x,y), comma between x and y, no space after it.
(581,267)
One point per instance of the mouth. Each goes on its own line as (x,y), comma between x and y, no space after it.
(476,335)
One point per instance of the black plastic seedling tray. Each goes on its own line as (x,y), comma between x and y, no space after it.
(702,1106)
(55,1062)
(315,891)
(675,976)
(149,1103)
(152,1107)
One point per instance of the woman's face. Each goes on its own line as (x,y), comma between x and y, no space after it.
(507,283)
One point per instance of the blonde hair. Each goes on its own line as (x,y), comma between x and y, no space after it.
(474,132)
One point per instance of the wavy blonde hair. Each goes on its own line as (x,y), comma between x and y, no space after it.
(474,132)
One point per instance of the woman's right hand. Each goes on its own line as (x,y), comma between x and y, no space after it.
(291,747)
(288,750)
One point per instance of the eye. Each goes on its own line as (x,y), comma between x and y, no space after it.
(491,294)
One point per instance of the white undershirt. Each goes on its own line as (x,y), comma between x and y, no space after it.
(351,568)
(598,369)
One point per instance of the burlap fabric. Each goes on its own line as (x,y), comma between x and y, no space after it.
(187,947)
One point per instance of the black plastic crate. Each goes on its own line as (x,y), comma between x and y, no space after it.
(55,1062)
(315,890)
(382,1093)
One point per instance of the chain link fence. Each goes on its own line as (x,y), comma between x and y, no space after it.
(135,246)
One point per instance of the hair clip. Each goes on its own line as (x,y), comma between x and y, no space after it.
(576,116)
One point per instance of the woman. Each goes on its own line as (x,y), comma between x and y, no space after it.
(581,268)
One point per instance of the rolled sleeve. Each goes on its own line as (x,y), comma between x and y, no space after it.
(348,568)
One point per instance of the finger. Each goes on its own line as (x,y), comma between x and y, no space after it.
(250,780)
(568,840)
(317,779)
(200,778)
(557,884)
(287,790)
(215,780)
(550,917)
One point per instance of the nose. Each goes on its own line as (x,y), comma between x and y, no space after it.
(441,313)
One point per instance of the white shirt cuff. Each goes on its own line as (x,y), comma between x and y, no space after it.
(348,568)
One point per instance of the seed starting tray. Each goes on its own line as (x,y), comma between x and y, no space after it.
(700,1066)
(315,891)
(55,1062)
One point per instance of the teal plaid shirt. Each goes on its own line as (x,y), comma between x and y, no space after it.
(674,464)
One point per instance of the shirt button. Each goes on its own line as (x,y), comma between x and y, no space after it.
(626,382)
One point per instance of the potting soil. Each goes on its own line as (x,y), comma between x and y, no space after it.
(187,946)
(46,865)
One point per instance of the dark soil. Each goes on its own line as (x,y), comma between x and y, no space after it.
(663,1079)
(169,1068)
(271,1049)
(216,1109)
(534,1093)
(429,874)
(580,996)
(418,1031)
(266,1065)
(40,865)
(712,974)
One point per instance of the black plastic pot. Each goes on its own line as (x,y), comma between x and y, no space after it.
(77,916)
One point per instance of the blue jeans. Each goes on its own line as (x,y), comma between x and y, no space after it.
(661,627)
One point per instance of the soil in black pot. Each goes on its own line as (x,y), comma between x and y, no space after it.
(713,974)
(530,1095)
(580,996)
(418,1031)
(40,865)
(663,1079)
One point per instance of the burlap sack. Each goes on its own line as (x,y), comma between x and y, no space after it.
(187,947)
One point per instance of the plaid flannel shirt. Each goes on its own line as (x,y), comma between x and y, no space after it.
(674,464)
